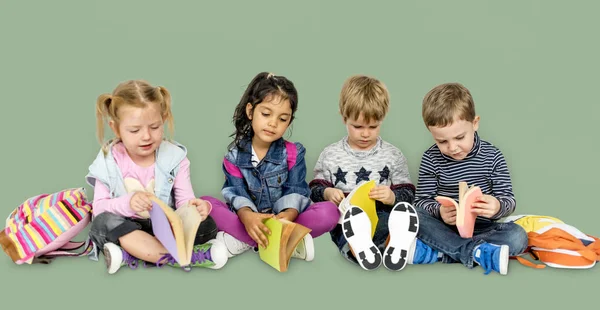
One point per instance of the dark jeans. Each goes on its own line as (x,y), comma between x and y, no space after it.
(445,239)
(379,238)
(109,227)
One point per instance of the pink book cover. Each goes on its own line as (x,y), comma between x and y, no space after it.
(468,225)
(465,218)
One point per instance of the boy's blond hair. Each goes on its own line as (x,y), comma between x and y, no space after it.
(366,95)
(445,102)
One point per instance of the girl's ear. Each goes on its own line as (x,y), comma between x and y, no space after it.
(114,128)
(249,110)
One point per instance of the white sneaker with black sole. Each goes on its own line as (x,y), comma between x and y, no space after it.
(403,225)
(356,228)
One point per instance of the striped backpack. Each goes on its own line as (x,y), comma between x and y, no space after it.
(43,227)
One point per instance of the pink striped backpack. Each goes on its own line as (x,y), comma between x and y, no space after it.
(43,227)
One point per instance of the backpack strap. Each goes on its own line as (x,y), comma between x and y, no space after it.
(68,250)
(73,245)
(521,259)
(292,154)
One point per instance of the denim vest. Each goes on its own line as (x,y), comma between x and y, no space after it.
(275,184)
(168,157)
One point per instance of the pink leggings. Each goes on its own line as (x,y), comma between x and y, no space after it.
(320,217)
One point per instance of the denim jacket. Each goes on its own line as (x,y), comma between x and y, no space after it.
(277,183)
(168,157)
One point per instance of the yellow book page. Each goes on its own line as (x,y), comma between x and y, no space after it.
(270,255)
(190,219)
(361,199)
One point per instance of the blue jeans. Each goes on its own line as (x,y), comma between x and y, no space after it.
(379,238)
(445,238)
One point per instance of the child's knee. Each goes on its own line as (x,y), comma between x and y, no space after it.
(207,230)
(105,222)
(331,215)
(518,239)
(109,227)
(216,203)
(423,214)
(101,225)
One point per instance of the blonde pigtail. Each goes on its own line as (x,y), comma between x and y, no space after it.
(166,112)
(102,111)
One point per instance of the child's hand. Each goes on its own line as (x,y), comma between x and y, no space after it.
(448,214)
(140,202)
(253,222)
(201,205)
(334,195)
(383,193)
(288,214)
(487,206)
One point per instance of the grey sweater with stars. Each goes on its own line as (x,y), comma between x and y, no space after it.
(342,167)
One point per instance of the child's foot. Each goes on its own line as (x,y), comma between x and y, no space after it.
(115,257)
(233,245)
(305,249)
(357,231)
(212,254)
(421,253)
(492,257)
(403,225)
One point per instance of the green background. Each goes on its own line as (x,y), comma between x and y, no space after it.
(530,65)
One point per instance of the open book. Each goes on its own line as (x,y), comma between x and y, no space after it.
(359,197)
(465,219)
(284,238)
(175,229)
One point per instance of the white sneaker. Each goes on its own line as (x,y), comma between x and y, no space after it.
(233,245)
(305,249)
(115,257)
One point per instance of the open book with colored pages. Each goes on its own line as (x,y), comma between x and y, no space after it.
(359,197)
(285,237)
(465,218)
(175,229)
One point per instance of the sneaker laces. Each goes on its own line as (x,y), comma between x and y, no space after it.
(200,255)
(148,264)
(167,259)
(237,246)
(130,260)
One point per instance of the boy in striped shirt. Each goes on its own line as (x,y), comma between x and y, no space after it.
(460,155)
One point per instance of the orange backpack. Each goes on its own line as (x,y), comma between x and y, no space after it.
(556,244)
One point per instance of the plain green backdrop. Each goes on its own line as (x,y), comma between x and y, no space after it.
(532,67)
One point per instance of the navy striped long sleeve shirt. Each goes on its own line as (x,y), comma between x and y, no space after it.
(484,166)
